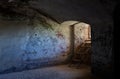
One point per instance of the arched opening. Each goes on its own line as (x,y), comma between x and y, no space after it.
(80,42)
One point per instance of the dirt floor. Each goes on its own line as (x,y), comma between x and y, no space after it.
(54,72)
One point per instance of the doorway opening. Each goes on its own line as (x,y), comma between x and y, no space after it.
(80,43)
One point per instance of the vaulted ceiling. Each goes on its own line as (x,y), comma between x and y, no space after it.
(64,10)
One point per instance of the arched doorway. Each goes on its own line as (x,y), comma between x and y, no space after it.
(80,42)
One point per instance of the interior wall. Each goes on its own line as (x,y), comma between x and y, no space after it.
(24,46)
(102,55)
(101,25)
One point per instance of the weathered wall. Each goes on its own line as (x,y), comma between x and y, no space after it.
(23,46)
(102,55)
(98,15)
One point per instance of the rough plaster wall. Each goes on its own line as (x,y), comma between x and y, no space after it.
(99,15)
(84,56)
(13,38)
(81,33)
(100,19)
(25,47)
(102,56)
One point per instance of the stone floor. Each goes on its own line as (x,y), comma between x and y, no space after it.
(54,72)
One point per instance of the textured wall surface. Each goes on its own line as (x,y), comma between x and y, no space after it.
(25,47)
(102,56)
(98,15)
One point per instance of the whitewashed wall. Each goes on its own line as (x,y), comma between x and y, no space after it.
(24,47)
